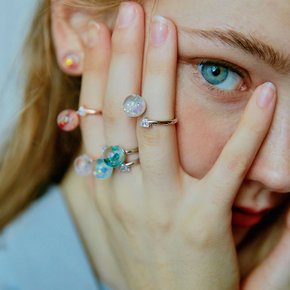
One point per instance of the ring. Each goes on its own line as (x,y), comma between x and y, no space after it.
(126,167)
(115,156)
(134,105)
(83,165)
(83,111)
(146,123)
(102,170)
(68,120)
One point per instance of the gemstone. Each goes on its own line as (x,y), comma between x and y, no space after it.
(134,106)
(114,156)
(125,168)
(83,165)
(72,61)
(82,111)
(145,123)
(102,170)
(68,120)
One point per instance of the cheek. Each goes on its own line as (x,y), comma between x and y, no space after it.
(202,133)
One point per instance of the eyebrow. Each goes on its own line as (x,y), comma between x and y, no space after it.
(249,44)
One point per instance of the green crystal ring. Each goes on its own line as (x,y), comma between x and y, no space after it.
(115,156)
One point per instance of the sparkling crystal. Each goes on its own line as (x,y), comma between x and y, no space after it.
(104,148)
(134,106)
(68,120)
(114,156)
(82,111)
(83,165)
(145,123)
(125,168)
(102,170)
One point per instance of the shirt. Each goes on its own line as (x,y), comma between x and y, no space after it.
(41,250)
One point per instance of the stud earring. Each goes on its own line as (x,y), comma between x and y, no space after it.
(71,61)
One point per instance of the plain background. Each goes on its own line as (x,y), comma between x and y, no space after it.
(15,19)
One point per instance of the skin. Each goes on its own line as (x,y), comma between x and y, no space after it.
(200,113)
(208,117)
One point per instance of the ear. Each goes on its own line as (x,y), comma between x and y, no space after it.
(69,28)
(66,28)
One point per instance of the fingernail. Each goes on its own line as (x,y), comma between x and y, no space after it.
(127,13)
(90,37)
(266,95)
(159,30)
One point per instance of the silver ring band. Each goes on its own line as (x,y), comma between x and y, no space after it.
(146,123)
(131,151)
(126,167)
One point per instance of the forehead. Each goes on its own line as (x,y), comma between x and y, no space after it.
(268,19)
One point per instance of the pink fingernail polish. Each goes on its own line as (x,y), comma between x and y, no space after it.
(159,30)
(266,95)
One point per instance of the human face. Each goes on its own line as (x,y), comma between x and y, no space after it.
(226,49)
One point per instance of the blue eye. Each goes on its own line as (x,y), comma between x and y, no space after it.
(220,76)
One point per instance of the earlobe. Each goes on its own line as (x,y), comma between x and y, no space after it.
(67,27)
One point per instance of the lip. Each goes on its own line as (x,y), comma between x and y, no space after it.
(247,217)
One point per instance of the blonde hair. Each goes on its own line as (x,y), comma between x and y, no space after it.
(38,154)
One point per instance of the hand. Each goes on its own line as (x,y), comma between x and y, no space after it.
(166,229)
(272,272)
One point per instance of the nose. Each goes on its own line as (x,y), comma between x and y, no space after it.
(271,167)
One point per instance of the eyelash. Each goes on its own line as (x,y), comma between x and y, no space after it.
(236,69)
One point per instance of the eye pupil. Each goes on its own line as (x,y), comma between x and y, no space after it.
(222,77)
(215,71)
(214,74)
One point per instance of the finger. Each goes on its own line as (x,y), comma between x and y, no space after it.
(95,73)
(273,273)
(228,172)
(124,75)
(157,145)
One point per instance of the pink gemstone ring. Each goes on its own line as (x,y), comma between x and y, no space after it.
(68,120)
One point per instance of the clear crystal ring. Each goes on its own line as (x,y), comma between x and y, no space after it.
(83,111)
(146,123)
(126,167)
(134,105)
(68,120)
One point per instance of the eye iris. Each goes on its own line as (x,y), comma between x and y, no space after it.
(214,74)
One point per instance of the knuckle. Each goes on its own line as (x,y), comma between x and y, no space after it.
(111,111)
(102,204)
(96,67)
(124,211)
(150,137)
(122,50)
(201,229)
(236,165)
(252,131)
(157,66)
(198,235)
(124,44)
(159,224)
